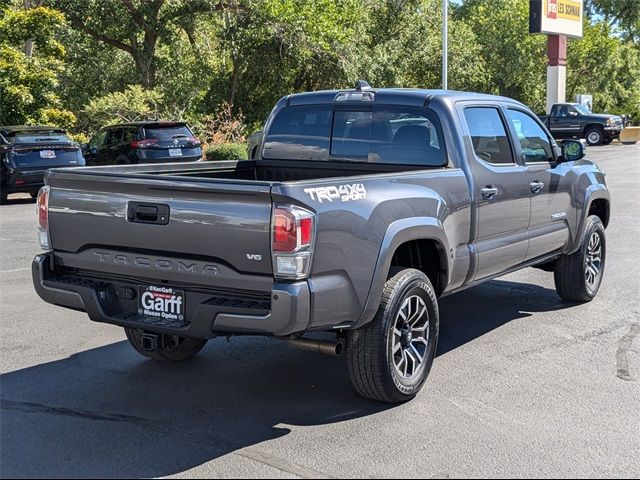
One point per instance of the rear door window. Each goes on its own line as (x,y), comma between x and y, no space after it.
(489,135)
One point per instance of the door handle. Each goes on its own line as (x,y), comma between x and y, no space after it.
(489,192)
(536,186)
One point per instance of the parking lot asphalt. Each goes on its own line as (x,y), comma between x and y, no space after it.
(524,384)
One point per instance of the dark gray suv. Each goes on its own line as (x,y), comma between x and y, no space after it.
(143,142)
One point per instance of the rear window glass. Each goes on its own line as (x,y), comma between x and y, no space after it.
(382,135)
(37,137)
(299,133)
(167,133)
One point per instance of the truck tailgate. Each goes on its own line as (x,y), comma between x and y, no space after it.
(217,232)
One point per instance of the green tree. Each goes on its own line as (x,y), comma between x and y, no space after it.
(28,80)
(404,47)
(621,14)
(514,60)
(133,104)
(136,27)
(604,65)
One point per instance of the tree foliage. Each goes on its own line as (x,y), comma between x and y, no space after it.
(28,81)
(102,61)
(135,103)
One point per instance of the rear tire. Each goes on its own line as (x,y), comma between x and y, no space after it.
(181,348)
(390,358)
(578,276)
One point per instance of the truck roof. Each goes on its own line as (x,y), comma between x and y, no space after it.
(395,96)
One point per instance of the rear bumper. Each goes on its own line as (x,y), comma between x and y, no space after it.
(18,181)
(207,315)
(154,156)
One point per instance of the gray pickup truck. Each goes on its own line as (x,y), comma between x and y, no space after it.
(362,208)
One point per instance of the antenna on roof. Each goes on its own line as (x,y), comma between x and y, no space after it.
(362,85)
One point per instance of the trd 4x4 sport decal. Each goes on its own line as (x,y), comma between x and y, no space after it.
(344,193)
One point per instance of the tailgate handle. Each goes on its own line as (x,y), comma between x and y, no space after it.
(156,214)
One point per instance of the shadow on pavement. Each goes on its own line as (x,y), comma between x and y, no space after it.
(472,313)
(22,200)
(111,413)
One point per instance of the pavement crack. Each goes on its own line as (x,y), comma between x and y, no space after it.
(279,463)
(573,340)
(30,407)
(622,355)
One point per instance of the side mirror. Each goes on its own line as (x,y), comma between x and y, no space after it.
(572,150)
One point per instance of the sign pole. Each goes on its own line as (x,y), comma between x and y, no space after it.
(445,46)
(556,70)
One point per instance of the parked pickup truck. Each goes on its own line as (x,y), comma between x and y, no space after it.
(362,209)
(572,120)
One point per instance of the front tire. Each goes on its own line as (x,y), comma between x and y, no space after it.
(594,136)
(578,276)
(176,350)
(390,358)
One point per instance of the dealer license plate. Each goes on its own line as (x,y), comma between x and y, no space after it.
(175,152)
(161,302)
(47,154)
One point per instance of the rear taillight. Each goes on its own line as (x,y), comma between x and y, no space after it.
(193,141)
(43,216)
(293,235)
(147,142)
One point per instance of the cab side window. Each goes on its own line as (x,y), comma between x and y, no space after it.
(130,134)
(114,136)
(534,142)
(489,135)
(99,139)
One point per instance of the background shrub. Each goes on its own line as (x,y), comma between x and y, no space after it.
(226,151)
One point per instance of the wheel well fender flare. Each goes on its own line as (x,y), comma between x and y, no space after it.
(592,193)
(398,233)
(588,126)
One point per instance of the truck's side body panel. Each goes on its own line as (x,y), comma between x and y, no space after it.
(352,231)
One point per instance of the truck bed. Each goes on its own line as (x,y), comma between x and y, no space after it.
(249,170)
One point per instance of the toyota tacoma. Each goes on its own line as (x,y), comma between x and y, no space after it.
(359,211)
